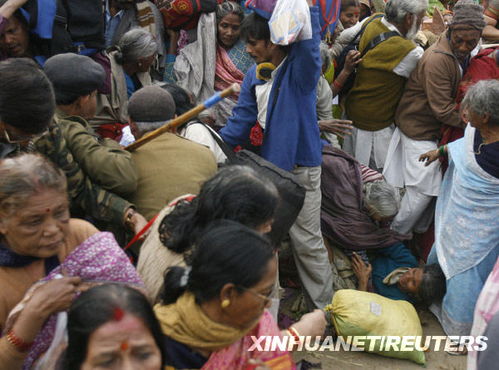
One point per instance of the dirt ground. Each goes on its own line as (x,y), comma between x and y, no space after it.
(360,360)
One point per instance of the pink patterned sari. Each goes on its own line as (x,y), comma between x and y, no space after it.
(226,72)
(237,356)
(486,307)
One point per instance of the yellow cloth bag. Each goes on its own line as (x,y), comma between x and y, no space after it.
(355,313)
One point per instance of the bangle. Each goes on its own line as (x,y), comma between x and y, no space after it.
(337,85)
(17,342)
(441,151)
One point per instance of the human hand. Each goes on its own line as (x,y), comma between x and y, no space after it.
(311,324)
(352,60)
(361,270)
(429,157)
(134,221)
(337,127)
(52,297)
(138,222)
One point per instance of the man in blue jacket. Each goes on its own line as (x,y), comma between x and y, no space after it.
(285,107)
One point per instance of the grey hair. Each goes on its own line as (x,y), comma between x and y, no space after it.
(396,10)
(483,98)
(24,176)
(145,127)
(229,7)
(325,55)
(135,44)
(382,197)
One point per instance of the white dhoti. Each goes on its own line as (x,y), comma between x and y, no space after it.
(422,183)
(369,147)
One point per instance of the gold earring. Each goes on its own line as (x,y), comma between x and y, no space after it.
(225,303)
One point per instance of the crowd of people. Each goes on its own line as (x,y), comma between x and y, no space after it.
(163,254)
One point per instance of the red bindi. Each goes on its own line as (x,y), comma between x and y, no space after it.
(118,314)
(47,210)
(124,345)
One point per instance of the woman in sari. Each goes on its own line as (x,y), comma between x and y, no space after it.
(210,311)
(46,258)
(112,326)
(486,323)
(235,193)
(466,234)
(215,61)
(128,67)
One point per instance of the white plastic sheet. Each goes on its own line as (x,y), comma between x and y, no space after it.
(290,22)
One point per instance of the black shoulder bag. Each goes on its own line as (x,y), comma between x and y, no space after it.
(292,194)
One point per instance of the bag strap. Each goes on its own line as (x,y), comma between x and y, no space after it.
(229,153)
(363,28)
(378,40)
(141,232)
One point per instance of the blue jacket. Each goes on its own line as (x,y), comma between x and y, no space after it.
(386,260)
(291,136)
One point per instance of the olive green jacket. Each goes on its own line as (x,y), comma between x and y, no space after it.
(103,160)
(87,197)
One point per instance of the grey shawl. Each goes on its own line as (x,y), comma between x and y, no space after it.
(194,68)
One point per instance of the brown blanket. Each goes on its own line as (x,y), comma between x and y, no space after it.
(344,220)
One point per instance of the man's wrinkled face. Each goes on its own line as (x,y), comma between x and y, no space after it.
(463,41)
(14,40)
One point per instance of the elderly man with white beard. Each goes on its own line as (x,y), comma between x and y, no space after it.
(388,57)
(428,102)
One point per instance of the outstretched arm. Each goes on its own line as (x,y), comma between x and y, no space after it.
(433,155)
(307,55)
(244,114)
(9,8)
(362,271)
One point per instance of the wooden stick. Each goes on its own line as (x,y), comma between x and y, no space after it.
(176,122)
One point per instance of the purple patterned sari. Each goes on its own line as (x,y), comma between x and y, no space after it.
(99,259)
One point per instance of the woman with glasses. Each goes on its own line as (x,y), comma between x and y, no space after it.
(210,310)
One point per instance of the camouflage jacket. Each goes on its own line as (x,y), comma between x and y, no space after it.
(103,160)
(87,198)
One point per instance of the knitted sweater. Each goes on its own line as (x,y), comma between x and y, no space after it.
(372,102)
(429,98)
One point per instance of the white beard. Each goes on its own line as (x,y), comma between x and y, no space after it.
(411,34)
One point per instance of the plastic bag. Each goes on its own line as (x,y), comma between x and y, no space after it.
(290,22)
(356,313)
